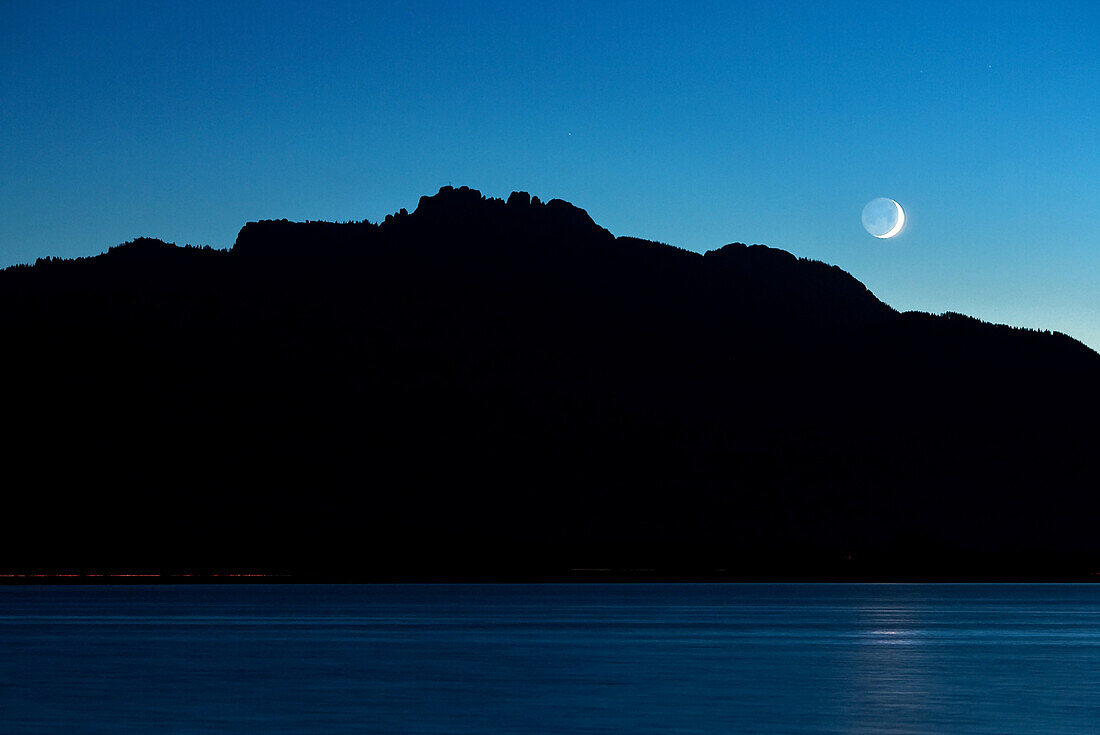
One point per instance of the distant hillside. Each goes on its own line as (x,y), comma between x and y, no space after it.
(501,389)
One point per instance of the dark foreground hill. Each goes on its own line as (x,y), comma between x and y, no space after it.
(492,389)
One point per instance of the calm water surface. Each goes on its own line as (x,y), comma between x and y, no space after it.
(551,659)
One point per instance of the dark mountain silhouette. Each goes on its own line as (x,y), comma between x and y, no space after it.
(504,389)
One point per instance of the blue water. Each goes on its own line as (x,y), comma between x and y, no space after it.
(551,659)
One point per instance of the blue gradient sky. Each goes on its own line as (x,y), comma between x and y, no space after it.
(697,124)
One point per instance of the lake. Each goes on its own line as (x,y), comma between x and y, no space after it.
(593,658)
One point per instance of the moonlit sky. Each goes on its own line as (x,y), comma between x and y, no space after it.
(696,124)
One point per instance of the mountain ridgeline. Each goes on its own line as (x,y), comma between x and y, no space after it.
(491,389)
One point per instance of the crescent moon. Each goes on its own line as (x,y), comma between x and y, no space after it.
(897,225)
